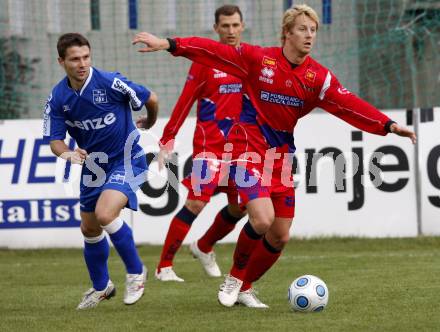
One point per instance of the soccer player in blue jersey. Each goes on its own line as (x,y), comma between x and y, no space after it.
(94,107)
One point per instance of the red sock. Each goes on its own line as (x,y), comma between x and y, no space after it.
(246,243)
(223,224)
(179,227)
(263,257)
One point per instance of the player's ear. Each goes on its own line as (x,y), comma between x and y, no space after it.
(61,61)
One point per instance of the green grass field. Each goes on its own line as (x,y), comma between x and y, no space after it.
(375,285)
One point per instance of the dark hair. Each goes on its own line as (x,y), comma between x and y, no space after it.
(227,10)
(68,40)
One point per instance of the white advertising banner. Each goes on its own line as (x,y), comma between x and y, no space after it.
(429,138)
(39,193)
(381,205)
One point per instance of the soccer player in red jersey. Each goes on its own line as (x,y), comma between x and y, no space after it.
(219,97)
(282,84)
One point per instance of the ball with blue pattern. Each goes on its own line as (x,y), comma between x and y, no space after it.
(308,293)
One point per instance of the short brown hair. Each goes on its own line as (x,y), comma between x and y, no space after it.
(290,16)
(68,40)
(227,10)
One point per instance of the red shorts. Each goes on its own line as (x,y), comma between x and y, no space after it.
(207,179)
(249,186)
(210,177)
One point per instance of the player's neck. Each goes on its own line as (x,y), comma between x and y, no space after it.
(292,56)
(76,84)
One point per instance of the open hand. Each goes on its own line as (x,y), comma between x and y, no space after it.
(165,153)
(404,132)
(151,42)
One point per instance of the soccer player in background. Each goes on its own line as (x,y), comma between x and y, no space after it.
(218,98)
(283,84)
(94,107)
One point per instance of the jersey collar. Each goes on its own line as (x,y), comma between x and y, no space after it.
(87,81)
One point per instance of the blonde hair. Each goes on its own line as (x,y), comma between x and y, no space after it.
(292,13)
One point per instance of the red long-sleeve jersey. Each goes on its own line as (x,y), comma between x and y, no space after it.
(277,94)
(219,100)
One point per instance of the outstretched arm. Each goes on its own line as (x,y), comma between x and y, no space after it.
(151,42)
(337,100)
(234,61)
(403,131)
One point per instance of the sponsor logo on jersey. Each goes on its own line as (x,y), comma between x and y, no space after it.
(117,177)
(46,117)
(269,62)
(219,73)
(122,87)
(310,76)
(99,96)
(93,124)
(266,75)
(277,98)
(46,124)
(230,88)
(47,109)
(343,91)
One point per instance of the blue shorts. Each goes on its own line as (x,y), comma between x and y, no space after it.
(112,175)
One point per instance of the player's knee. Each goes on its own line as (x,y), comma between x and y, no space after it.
(195,206)
(262,222)
(89,230)
(236,211)
(282,241)
(277,241)
(104,217)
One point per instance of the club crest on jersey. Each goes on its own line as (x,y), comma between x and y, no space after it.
(269,62)
(266,75)
(288,83)
(99,96)
(310,76)
(66,108)
(219,73)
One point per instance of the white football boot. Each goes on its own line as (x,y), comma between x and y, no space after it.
(229,289)
(249,299)
(207,260)
(92,297)
(167,274)
(134,286)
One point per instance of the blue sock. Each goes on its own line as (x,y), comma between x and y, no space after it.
(96,256)
(123,241)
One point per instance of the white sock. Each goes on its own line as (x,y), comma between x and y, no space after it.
(114,226)
(95,239)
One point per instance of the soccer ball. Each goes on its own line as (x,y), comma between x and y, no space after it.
(308,293)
